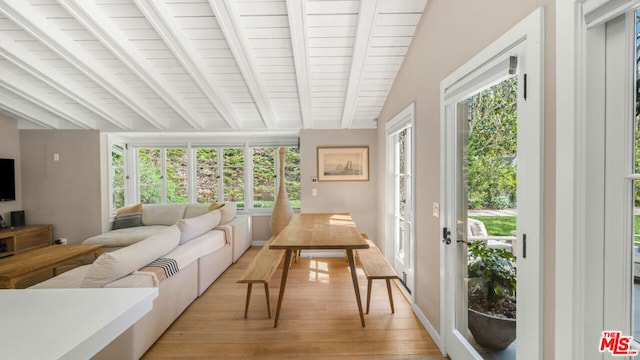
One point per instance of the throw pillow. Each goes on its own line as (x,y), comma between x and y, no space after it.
(127,216)
(131,209)
(127,221)
(228,212)
(193,227)
(113,265)
(215,206)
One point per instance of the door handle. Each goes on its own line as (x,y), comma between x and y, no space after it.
(446,235)
(463,241)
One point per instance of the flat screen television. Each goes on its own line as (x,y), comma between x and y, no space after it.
(7,180)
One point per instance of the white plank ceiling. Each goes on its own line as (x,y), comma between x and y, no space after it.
(201,65)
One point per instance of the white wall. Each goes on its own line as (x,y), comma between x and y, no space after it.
(65,193)
(356,197)
(449,34)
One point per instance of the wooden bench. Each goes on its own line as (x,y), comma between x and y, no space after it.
(260,270)
(376,266)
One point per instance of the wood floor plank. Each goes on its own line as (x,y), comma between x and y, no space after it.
(319,320)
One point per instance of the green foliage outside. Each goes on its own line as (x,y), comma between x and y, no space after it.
(208,177)
(117,166)
(492,147)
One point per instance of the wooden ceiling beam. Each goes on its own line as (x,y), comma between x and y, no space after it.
(231,26)
(90,16)
(364,34)
(163,23)
(14,84)
(46,73)
(23,14)
(297,26)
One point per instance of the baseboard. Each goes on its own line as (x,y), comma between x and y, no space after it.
(430,329)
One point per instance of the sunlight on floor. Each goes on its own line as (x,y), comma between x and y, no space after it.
(319,271)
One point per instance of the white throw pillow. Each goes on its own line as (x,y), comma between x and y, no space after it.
(117,264)
(194,210)
(194,227)
(162,214)
(228,212)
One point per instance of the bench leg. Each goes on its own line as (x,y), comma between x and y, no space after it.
(393,311)
(369,280)
(266,292)
(246,306)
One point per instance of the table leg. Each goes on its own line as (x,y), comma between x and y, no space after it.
(354,276)
(283,282)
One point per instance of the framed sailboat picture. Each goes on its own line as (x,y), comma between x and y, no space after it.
(343,163)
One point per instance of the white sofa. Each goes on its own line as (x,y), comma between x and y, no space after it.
(194,245)
(155,217)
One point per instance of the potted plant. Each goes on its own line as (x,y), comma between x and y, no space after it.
(492,291)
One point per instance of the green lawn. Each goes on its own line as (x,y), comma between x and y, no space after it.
(504,225)
(498,225)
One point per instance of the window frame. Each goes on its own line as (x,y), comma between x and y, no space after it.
(132,166)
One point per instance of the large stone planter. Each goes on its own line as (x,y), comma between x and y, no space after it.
(490,331)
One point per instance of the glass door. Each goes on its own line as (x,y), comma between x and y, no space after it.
(483,226)
(400,190)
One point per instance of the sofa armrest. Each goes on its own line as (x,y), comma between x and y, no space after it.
(242,236)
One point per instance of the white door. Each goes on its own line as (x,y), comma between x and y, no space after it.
(400,203)
(493,65)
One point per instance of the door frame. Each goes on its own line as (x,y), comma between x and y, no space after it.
(527,38)
(580,158)
(407,115)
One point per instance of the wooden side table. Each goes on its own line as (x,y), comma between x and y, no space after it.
(29,263)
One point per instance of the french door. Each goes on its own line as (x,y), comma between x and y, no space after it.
(517,53)
(400,190)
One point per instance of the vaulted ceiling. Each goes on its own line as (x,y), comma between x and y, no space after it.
(201,65)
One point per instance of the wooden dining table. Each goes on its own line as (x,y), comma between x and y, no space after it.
(319,232)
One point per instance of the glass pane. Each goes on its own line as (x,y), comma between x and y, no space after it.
(264,177)
(292,175)
(118,178)
(635,308)
(233,175)
(207,175)
(150,175)
(486,201)
(402,199)
(402,156)
(177,175)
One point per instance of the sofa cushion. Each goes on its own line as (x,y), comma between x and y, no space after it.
(162,214)
(194,210)
(116,264)
(193,227)
(228,212)
(128,216)
(125,237)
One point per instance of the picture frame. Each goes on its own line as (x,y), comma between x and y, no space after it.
(343,163)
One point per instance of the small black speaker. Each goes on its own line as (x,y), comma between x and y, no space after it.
(17,218)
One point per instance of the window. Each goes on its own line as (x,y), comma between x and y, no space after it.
(150,175)
(265,168)
(118,193)
(264,177)
(207,175)
(245,175)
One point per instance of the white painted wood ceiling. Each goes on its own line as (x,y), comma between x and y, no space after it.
(201,65)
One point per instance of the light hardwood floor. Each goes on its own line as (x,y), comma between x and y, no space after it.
(319,320)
